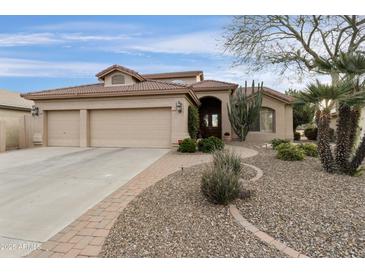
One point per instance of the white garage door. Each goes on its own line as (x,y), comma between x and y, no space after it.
(130,128)
(64,128)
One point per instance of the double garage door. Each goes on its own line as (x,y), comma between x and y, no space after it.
(112,128)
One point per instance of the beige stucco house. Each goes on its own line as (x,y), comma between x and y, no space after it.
(128,109)
(14,110)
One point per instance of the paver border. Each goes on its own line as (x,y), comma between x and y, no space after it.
(263,236)
(85,236)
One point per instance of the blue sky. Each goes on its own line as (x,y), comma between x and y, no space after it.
(41,52)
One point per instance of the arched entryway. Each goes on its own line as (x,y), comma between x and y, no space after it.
(210,114)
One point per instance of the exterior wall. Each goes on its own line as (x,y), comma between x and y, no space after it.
(283,122)
(187,80)
(223,96)
(15,128)
(128,79)
(179,125)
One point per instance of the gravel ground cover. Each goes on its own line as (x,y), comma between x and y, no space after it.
(173,219)
(316,213)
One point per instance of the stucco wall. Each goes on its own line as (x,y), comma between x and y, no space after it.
(128,79)
(179,128)
(223,96)
(14,121)
(186,80)
(283,122)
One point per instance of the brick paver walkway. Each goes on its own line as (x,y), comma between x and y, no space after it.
(85,236)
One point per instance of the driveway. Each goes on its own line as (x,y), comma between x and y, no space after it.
(42,190)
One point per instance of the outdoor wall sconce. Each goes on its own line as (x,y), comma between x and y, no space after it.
(35,111)
(179,106)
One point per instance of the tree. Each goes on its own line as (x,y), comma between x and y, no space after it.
(244,108)
(193,121)
(297,43)
(349,94)
(302,113)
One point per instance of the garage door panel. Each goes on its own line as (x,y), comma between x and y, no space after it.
(64,128)
(130,128)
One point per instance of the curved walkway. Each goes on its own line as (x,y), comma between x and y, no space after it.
(85,236)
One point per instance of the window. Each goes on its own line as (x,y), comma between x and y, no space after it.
(214,120)
(118,79)
(266,121)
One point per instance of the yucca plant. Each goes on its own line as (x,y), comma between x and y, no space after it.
(244,109)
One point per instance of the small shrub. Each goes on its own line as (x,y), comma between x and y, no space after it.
(275,142)
(284,146)
(309,149)
(220,185)
(210,144)
(187,145)
(290,152)
(296,136)
(226,159)
(193,121)
(311,133)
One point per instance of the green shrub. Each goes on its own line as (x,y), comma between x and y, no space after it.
(311,133)
(193,121)
(284,146)
(296,136)
(220,185)
(290,152)
(226,159)
(309,149)
(187,145)
(275,142)
(210,144)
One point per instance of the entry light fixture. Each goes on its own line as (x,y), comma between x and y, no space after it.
(179,106)
(35,111)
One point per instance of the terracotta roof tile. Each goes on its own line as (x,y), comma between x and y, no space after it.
(177,74)
(212,84)
(120,68)
(274,93)
(99,90)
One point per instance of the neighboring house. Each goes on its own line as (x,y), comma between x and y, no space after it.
(13,110)
(127,109)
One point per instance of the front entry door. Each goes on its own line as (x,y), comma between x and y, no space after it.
(210,124)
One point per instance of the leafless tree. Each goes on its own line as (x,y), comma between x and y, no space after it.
(296,43)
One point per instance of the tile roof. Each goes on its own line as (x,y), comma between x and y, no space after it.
(120,68)
(212,85)
(177,74)
(13,100)
(273,93)
(149,87)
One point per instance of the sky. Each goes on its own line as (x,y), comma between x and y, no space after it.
(43,52)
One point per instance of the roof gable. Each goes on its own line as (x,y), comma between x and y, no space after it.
(101,75)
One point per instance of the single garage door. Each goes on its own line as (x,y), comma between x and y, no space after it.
(64,128)
(147,127)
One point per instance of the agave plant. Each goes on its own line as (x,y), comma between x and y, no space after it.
(244,109)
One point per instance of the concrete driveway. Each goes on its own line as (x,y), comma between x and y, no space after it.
(42,190)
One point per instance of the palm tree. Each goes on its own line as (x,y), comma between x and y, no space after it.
(349,95)
(351,68)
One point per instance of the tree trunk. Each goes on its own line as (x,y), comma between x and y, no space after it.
(343,146)
(358,158)
(324,148)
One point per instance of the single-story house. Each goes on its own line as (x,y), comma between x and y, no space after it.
(129,109)
(13,110)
